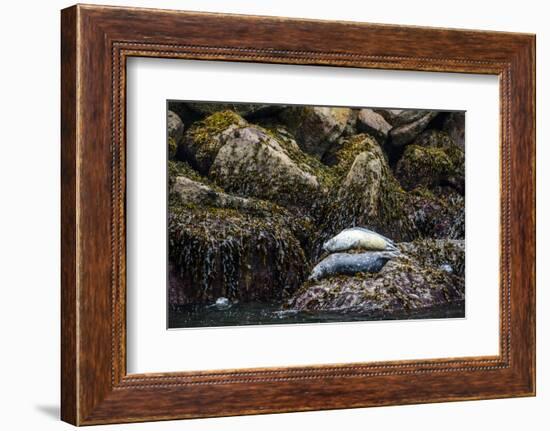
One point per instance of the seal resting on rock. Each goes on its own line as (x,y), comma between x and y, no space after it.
(351,263)
(358,238)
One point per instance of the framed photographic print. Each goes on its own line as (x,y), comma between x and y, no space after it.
(258,216)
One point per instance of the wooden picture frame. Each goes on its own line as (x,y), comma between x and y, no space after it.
(95,43)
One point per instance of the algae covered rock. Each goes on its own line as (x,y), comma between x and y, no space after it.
(242,256)
(368,195)
(406,282)
(316,128)
(192,192)
(441,253)
(434,161)
(253,162)
(203,139)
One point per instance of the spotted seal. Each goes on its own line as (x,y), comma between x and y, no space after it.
(358,238)
(351,263)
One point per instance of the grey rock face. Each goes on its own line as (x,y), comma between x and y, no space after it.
(454,125)
(202,141)
(406,133)
(253,163)
(192,192)
(175,127)
(316,128)
(373,123)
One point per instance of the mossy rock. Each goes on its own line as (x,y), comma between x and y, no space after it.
(368,194)
(436,216)
(221,252)
(255,163)
(316,128)
(434,163)
(203,140)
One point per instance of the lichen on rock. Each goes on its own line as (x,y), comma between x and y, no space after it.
(315,128)
(203,140)
(369,194)
(433,160)
(253,162)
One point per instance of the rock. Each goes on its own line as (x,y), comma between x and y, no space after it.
(191,192)
(404,134)
(203,139)
(315,128)
(175,132)
(399,117)
(175,126)
(369,195)
(374,124)
(407,282)
(390,115)
(242,109)
(455,125)
(446,254)
(432,166)
(254,163)
(436,217)
(233,254)
(434,138)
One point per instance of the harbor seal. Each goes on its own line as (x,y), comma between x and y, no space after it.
(351,263)
(358,238)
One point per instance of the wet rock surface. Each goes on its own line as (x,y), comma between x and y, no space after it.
(256,191)
(412,280)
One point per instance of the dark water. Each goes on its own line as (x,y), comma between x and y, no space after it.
(196,316)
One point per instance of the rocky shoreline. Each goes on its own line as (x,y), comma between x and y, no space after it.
(256,190)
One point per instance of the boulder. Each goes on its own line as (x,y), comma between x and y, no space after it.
(408,282)
(368,194)
(444,254)
(175,126)
(433,163)
(235,254)
(404,134)
(203,139)
(316,128)
(399,117)
(192,192)
(455,126)
(390,115)
(436,216)
(254,163)
(374,124)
